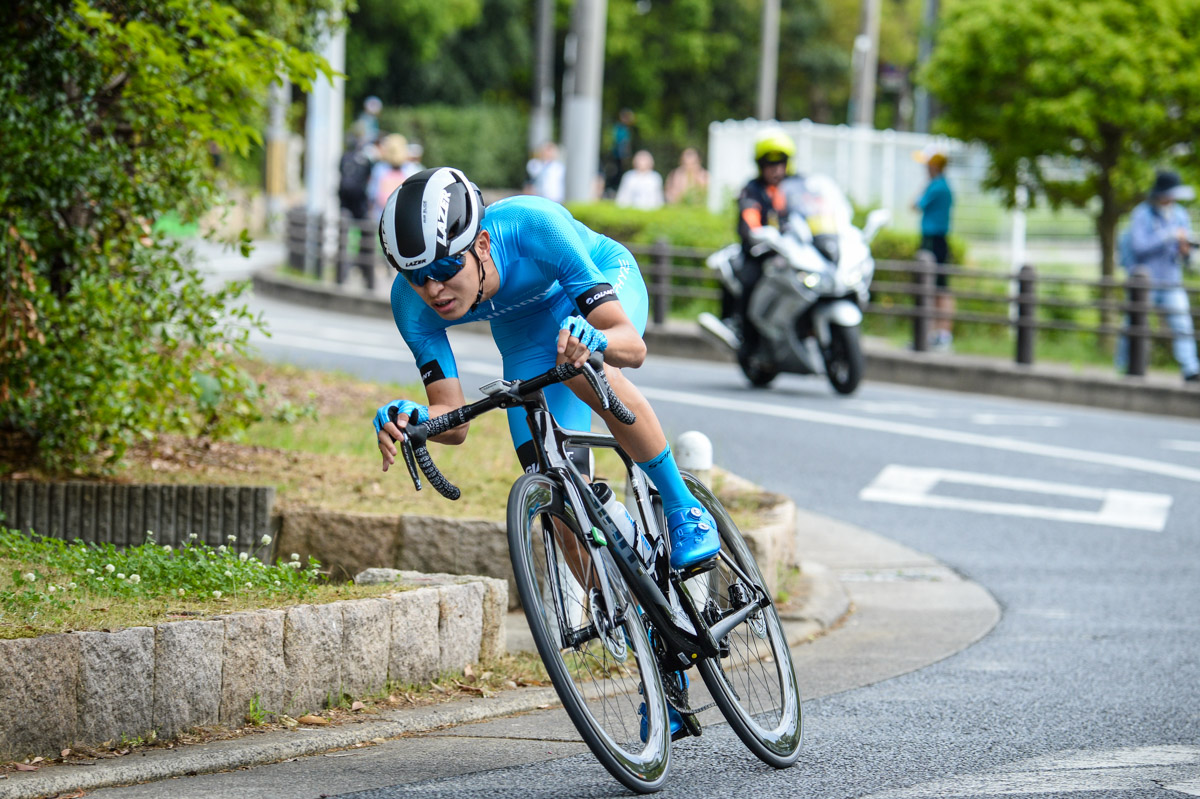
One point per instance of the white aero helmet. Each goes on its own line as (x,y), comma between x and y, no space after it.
(432,215)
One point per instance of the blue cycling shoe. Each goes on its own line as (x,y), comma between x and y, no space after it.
(672,714)
(694,537)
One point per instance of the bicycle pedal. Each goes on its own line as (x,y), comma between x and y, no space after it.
(691,727)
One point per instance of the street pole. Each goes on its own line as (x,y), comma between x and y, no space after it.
(769,66)
(323,139)
(924,49)
(581,108)
(866,63)
(278,100)
(541,128)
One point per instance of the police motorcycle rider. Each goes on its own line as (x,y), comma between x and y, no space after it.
(763,210)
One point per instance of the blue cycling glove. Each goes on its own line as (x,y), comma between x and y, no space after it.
(387,413)
(588,336)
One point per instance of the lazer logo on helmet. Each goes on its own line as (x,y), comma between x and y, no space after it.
(443,218)
(415,262)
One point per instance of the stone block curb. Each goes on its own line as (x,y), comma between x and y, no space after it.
(59,691)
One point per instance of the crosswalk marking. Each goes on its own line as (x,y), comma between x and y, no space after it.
(914,486)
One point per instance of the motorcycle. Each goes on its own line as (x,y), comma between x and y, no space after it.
(807,306)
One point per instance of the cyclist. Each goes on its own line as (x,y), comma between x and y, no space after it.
(554,291)
(763,203)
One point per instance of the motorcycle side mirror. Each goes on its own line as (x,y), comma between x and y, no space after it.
(876,221)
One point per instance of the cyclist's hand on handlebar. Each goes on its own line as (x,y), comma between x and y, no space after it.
(577,340)
(390,421)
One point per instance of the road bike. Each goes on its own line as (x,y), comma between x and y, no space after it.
(617,629)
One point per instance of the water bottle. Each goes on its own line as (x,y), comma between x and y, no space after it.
(624,521)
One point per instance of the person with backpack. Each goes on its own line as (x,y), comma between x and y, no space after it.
(1159,239)
(355,169)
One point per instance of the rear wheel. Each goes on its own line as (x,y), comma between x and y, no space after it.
(844,359)
(753,681)
(599,659)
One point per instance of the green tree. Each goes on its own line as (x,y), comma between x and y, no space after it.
(1108,86)
(110,110)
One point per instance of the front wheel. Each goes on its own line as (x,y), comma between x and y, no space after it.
(844,358)
(757,369)
(599,659)
(753,681)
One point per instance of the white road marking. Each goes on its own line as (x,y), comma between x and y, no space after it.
(1181,446)
(931,433)
(1012,420)
(896,408)
(1173,768)
(913,486)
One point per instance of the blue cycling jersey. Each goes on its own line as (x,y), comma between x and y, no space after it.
(550,267)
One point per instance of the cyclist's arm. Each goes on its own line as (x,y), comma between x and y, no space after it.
(625,344)
(443,396)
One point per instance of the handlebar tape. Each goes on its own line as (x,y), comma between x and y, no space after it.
(434,475)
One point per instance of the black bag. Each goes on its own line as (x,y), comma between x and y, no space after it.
(352,188)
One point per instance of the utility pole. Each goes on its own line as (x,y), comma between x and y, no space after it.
(278,97)
(865,64)
(768,69)
(541,128)
(581,107)
(924,50)
(323,136)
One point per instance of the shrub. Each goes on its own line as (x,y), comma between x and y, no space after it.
(112,107)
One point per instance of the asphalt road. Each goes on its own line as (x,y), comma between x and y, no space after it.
(1082,524)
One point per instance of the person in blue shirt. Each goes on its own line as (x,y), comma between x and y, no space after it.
(1159,241)
(554,292)
(934,205)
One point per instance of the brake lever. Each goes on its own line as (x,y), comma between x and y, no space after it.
(406,449)
(593,379)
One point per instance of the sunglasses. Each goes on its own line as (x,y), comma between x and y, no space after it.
(440,270)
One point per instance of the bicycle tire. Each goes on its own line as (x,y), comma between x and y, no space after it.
(598,689)
(755,684)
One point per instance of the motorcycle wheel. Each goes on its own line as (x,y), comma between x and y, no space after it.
(844,359)
(756,371)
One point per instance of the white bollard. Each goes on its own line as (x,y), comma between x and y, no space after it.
(694,453)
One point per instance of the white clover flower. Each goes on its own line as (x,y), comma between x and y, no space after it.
(135,578)
(222,548)
(216,594)
(231,539)
(266,539)
(295,556)
(166,547)
(228,573)
(110,568)
(91,571)
(52,589)
(249,585)
(30,577)
(72,585)
(99,579)
(120,575)
(277,583)
(295,564)
(193,535)
(244,556)
(181,591)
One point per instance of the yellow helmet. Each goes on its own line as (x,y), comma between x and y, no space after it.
(774,142)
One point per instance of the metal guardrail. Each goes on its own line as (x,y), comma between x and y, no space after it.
(677,276)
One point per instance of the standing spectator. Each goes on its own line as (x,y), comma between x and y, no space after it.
(641,187)
(546,175)
(621,155)
(1160,236)
(934,205)
(688,182)
(369,118)
(388,172)
(355,168)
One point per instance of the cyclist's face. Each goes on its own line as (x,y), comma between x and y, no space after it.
(453,298)
(773,170)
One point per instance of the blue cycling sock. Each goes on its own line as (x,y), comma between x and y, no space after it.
(663,470)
